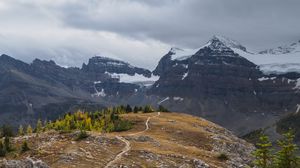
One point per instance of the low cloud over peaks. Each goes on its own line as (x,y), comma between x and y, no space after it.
(71,31)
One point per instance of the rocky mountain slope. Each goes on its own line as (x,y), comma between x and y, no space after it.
(43,89)
(221,81)
(156,140)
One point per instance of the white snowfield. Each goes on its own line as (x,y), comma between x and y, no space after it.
(278,61)
(274,63)
(182,54)
(136,78)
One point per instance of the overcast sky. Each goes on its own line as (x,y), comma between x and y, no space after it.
(139,31)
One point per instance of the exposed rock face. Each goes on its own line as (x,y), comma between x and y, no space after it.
(103,64)
(43,89)
(215,81)
(26,163)
(219,84)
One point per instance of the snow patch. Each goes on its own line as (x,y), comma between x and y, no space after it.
(280,68)
(263,79)
(178,98)
(285,49)
(270,63)
(166,99)
(290,80)
(97,82)
(185,75)
(98,94)
(266,78)
(298,109)
(230,43)
(136,78)
(183,54)
(297,84)
(186,66)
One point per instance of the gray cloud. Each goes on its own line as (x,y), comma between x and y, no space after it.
(140,31)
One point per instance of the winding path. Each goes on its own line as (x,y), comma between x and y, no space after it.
(128,145)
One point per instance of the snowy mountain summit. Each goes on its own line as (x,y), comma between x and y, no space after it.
(285,49)
(216,43)
(279,60)
(225,41)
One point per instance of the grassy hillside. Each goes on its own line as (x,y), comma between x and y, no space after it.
(155,140)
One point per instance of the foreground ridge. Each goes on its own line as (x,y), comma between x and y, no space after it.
(171,140)
(127,147)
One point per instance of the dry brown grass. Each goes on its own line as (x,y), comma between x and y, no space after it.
(175,139)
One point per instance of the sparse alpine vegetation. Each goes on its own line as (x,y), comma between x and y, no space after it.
(106,121)
(285,157)
(154,139)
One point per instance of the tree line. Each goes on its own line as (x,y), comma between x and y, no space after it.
(106,120)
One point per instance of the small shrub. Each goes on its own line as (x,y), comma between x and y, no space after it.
(123,125)
(6,131)
(7,144)
(2,149)
(25,147)
(222,157)
(82,135)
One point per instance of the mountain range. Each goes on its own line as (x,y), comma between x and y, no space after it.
(221,81)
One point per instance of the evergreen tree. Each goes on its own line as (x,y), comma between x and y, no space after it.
(122,108)
(148,109)
(286,157)
(45,128)
(2,149)
(49,125)
(21,130)
(7,144)
(39,126)
(6,130)
(263,153)
(25,146)
(29,130)
(128,108)
(135,109)
(110,127)
(162,109)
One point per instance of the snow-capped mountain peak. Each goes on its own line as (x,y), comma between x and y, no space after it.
(227,42)
(217,43)
(180,54)
(285,49)
(174,50)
